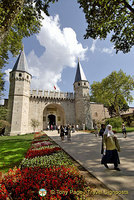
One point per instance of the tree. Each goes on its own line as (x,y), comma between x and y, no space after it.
(114,92)
(3,118)
(116,122)
(3,113)
(110,16)
(123,106)
(19,19)
(1,83)
(34,123)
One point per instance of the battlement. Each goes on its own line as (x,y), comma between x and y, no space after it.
(51,94)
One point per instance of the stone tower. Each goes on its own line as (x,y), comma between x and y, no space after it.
(19,93)
(82,99)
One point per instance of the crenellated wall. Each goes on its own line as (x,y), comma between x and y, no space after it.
(51,94)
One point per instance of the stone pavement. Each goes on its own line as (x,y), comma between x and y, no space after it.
(85,148)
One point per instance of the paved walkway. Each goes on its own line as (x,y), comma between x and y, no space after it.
(85,148)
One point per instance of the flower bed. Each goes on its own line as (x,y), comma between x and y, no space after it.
(3,192)
(42,152)
(56,159)
(25,184)
(42,147)
(44,166)
(42,144)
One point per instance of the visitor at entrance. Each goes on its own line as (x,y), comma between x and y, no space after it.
(62,133)
(51,127)
(77,127)
(124,130)
(68,133)
(65,130)
(96,130)
(73,129)
(111,146)
(58,128)
(48,127)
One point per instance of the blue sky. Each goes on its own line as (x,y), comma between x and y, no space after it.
(52,54)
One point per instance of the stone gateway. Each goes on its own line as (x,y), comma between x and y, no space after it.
(48,107)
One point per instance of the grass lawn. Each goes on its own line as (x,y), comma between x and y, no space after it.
(118,130)
(128,129)
(13,149)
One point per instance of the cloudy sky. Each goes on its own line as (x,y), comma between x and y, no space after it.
(52,55)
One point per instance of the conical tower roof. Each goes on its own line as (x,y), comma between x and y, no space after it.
(21,63)
(80,76)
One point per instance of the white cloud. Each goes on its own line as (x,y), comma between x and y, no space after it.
(108,50)
(93,47)
(1,101)
(6,77)
(61,49)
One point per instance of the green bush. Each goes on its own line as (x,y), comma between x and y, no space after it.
(116,122)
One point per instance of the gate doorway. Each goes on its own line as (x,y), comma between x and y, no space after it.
(52,120)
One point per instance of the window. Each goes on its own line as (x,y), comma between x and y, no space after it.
(20,74)
(84,83)
(27,77)
(78,84)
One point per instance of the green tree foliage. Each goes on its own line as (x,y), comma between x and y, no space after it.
(3,117)
(114,92)
(19,19)
(1,83)
(110,16)
(115,122)
(3,113)
(34,123)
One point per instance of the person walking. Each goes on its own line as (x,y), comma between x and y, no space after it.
(102,130)
(111,148)
(124,130)
(58,129)
(62,133)
(68,133)
(96,130)
(77,127)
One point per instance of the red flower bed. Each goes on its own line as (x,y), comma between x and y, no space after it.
(3,192)
(42,152)
(37,141)
(25,184)
(42,144)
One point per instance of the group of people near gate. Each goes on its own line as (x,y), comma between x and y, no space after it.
(66,131)
(110,146)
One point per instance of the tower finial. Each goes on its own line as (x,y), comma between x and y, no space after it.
(80,76)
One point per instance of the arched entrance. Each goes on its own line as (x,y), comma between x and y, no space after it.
(53,114)
(52,120)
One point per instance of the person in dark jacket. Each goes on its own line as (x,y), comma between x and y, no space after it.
(102,130)
(62,133)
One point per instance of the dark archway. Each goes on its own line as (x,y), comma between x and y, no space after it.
(52,120)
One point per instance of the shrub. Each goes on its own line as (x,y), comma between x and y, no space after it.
(116,122)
